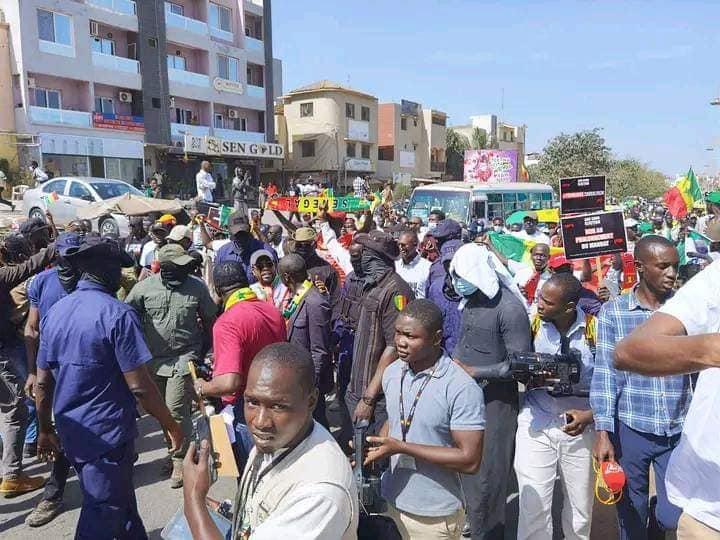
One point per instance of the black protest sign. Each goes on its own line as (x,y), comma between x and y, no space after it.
(593,235)
(582,194)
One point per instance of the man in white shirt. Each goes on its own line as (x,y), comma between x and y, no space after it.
(411,266)
(204,182)
(297,482)
(530,279)
(37,173)
(683,336)
(3,185)
(530,230)
(555,435)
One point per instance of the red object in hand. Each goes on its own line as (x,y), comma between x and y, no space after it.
(613,475)
(155,266)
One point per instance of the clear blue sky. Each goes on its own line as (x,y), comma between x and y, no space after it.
(643,71)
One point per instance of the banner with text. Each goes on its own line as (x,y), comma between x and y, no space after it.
(582,194)
(490,166)
(592,235)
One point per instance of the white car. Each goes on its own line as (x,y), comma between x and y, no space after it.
(64,195)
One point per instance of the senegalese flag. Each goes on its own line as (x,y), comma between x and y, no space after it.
(681,197)
(516,248)
(695,236)
(400,301)
(546,215)
(524,174)
(50,199)
(224,217)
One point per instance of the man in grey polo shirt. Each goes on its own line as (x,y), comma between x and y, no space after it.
(434,429)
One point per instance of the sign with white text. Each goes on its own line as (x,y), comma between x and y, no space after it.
(582,194)
(593,235)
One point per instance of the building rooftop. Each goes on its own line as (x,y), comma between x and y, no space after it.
(328,86)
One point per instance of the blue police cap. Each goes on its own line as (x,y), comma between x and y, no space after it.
(67,241)
(97,247)
(447,228)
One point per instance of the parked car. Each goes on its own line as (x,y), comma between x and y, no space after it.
(64,195)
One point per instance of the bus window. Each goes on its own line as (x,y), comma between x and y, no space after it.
(494,197)
(495,210)
(453,203)
(478,209)
(509,202)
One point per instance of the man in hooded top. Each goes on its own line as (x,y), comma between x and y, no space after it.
(384,295)
(494,324)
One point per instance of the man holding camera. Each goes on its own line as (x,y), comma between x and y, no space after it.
(639,418)
(554,437)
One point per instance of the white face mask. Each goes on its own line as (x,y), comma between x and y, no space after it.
(431,225)
(497,228)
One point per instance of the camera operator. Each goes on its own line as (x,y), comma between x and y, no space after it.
(639,419)
(554,437)
(434,429)
(494,324)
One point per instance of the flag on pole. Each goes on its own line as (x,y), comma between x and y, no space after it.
(50,199)
(681,197)
(517,249)
(524,174)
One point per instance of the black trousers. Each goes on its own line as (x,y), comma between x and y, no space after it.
(3,201)
(486,491)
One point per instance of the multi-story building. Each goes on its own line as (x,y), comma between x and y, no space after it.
(118,88)
(499,135)
(330,131)
(411,142)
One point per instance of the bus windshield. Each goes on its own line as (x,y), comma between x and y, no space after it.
(453,203)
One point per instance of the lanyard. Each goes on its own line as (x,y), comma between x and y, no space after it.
(405,424)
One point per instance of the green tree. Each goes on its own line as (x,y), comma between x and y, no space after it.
(630,177)
(456,144)
(573,154)
(478,139)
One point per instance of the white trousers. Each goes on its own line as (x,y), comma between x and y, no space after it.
(540,457)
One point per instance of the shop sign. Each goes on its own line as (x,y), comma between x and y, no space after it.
(215,146)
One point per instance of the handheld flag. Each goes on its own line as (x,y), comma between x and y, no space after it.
(681,197)
(50,199)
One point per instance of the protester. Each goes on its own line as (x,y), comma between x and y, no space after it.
(304,245)
(244,328)
(530,231)
(242,244)
(554,433)
(297,482)
(268,287)
(638,418)
(240,191)
(204,183)
(3,187)
(177,314)
(589,302)
(37,174)
(384,295)
(37,233)
(89,375)
(494,324)
(434,429)
(45,290)
(411,266)
(530,279)
(308,324)
(275,239)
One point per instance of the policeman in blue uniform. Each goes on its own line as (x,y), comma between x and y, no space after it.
(91,369)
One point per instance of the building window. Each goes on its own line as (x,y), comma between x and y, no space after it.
(254,74)
(414,122)
(104,105)
(414,147)
(365,114)
(48,98)
(386,153)
(228,68)
(403,123)
(350,110)
(102,45)
(218,121)
(177,9)
(175,61)
(306,109)
(350,149)
(439,120)
(54,27)
(152,42)
(307,148)
(253,26)
(220,17)
(365,151)
(183,116)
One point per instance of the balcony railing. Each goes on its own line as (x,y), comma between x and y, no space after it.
(240,136)
(437,166)
(56,48)
(44,115)
(178,131)
(255,91)
(222,34)
(115,63)
(124,7)
(188,77)
(253,44)
(185,23)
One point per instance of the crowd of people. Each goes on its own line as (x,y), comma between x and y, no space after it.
(306,328)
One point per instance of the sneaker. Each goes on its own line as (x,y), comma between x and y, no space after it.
(44,513)
(12,487)
(30,450)
(466,532)
(176,478)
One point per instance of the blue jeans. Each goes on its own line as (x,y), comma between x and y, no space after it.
(636,451)
(243,440)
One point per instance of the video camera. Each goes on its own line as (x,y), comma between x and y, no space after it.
(371,502)
(557,372)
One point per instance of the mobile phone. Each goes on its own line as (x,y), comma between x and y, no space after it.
(202,431)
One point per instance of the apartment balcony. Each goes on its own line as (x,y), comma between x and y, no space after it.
(59,117)
(179,131)
(51,47)
(252,44)
(255,91)
(123,7)
(222,34)
(188,77)
(239,136)
(437,166)
(185,23)
(115,63)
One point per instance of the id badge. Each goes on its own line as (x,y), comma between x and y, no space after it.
(406,462)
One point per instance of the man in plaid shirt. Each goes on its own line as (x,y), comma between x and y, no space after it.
(639,419)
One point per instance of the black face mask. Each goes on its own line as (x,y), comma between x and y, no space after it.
(173,275)
(304,250)
(68,276)
(107,275)
(448,290)
(356,263)
(242,241)
(374,266)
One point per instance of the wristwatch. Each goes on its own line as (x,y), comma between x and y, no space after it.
(198,389)
(368,400)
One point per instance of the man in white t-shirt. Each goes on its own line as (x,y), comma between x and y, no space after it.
(205,182)
(530,230)
(683,336)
